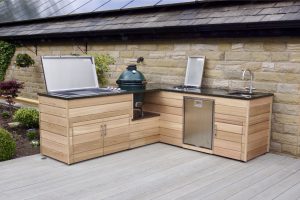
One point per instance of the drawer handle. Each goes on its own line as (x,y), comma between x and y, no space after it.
(215,130)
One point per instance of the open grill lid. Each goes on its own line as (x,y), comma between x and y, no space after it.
(64,73)
(131,76)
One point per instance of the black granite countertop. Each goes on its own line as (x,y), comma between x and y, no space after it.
(163,87)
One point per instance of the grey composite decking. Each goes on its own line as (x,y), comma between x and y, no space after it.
(157,172)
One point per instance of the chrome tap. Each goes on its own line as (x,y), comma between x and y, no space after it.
(250,88)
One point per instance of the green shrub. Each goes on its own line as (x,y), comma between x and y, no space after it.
(32,134)
(28,117)
(7,145)
(5,114)
(7,51)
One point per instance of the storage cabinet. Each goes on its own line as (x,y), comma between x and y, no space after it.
(81,129)
(242,127)
(77,130)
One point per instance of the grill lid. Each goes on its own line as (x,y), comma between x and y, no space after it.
(131,76)
(63,73)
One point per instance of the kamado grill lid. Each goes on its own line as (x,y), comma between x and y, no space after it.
(131,76)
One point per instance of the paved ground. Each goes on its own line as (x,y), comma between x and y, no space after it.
(157,172)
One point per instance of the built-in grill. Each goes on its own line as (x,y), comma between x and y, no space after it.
(133,80)
(72,77)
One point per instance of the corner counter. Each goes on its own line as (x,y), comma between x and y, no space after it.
(77,129)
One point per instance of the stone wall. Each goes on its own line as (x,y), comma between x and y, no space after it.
(274,61)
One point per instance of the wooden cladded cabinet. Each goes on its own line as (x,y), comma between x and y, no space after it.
(81,129)
(242,127)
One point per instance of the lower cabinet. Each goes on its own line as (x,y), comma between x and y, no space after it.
(78,130)
(242,127)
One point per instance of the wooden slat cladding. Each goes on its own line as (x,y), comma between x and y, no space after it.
(87,155)
(113,140)
(79,103)
(60,112)
(54,154)
(171,132)
(89,128)
(258,139)
(144,141)
(77,121)
(87,146)
(54,128)
(52,119)
(257,110)
(228,136)
(143,133)
(54,137)
(163,109)
(231,110)
(53,102)
(229,128)
(171,140)
(82,111)
(116,148)
(227,153)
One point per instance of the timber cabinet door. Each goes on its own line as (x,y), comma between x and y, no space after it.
(116,134)
(87,141)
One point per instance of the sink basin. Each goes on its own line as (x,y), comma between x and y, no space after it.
(244,94)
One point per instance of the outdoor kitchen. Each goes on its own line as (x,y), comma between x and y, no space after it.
(158,99)
(80,121)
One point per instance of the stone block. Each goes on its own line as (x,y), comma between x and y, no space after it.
(261,56)
(253,46)
(288,88)
(279,56)
(268,76)
(176,55)
(295,57)
(132,47)
(182,47)
(238,56)
(285,138)
(205,47)
(265,86)
(293,46)
(286,109)
(165,47)
(213,74)
(157,54)
(147,47)
(237,47)
(275,146)
(283,98)
(286,119)
(289,149)
(274,46)
(288,67)
(126,54)
(268,66)
(120,47)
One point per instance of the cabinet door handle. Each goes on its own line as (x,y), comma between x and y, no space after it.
(105,129)
(101,129)
(215,130)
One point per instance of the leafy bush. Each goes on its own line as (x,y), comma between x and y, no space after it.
(32,134)
(24,60)
(28,117)
(9,90)
(102,63)
(5,115)
(7,51)
(7,145)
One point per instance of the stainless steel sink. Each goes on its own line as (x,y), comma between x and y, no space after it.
(245,94)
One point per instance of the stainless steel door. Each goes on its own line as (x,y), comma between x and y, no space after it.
(198,122)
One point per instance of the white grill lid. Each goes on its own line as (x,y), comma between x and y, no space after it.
(194,71)
(63,73)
